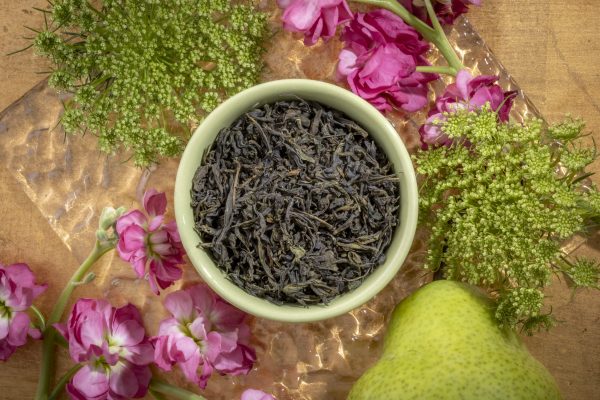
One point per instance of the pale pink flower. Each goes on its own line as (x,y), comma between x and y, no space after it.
(112,344)
(148,241)
(254,394)
(470,93)
(17,292)
(379,61)
(314,18)
(205,334)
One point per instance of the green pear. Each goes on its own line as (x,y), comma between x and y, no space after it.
(444,343)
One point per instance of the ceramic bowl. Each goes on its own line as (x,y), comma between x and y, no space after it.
(356,108)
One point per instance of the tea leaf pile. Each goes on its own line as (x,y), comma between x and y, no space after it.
(296,203)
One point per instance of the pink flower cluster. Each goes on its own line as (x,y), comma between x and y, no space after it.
(379,61)
(469,93)
(112,344)
(147,240)
(314,18)
(447,11)
(205,334)
(17,292)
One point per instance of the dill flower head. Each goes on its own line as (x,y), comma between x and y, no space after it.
(142,71)
(499,201)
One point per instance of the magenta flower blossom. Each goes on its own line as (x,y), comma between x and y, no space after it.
(447,11)
(148,240)
(314,18)
(254,394)
(206,334)
(113,345)
(379,61)
(467,93)
(17,292)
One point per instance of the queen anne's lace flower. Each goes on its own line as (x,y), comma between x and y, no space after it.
(468,93)
(17,292)
(205,334)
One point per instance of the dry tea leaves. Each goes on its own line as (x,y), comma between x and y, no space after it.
(295,202)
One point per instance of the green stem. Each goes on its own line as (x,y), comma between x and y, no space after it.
(441,41)
(157,395)
(434,69)
(436,36)
(176,392)
(40,317)
(63,381)
(48,346)
(392,5)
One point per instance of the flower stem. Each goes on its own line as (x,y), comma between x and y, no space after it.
(441,41)
(176,392)
(435,35)
(434,69)
(157,395)
(40,317)
(48,346)
(63,381)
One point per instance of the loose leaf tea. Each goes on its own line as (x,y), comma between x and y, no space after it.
(295,202)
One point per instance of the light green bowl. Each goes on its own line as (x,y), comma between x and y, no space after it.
(356,108)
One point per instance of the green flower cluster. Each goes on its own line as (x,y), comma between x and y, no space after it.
(499,201)
(142,71)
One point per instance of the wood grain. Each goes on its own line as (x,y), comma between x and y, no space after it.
(551,47)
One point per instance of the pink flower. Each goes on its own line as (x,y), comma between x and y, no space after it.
(447,11)
(467,93)
(144,240)
(17,292)
(113,345)
(314,18)
(253,394)
(205,334)
(379,61)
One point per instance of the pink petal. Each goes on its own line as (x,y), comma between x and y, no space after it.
(140,354)
(134,217)
(180,305)
(20,274)
(90,383)
(190,366)
(128,333)
(162,346)
(18,329)
(462,82)
(254,394)
(203,297)
(155,203)
(183,349)
(6,350)
(347,62)
(92,329)
(301,15)
(226,317)
(4,323)
(123,381)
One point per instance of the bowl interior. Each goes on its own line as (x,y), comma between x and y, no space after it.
(364,114)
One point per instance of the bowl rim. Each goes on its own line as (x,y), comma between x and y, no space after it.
(265,93)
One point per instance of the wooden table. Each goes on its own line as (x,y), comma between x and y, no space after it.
(551,47)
